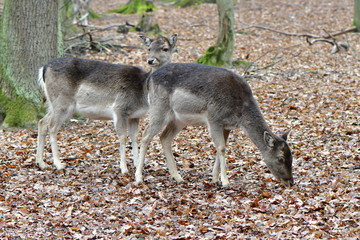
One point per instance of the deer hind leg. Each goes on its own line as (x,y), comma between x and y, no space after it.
(166,138)
(218,136)
(133,132)
(121,127)
(42,132)
(155,125)
(216,169)
(56,119)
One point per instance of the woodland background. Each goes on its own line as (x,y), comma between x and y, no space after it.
(305,88)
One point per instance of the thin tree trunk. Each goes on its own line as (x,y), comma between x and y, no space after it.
(221,53)
(357,14)
(29,37)
(226,27)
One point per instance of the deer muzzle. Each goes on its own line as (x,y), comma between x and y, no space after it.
(289,182)
(152,61)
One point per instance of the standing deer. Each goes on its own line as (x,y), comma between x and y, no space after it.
(183,94)
(100,91)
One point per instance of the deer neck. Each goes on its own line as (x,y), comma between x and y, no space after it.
(153,69)
(254,125)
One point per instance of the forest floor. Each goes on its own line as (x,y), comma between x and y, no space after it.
(306,88)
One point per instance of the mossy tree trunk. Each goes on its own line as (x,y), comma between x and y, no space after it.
(29,37)
(221,53)
(357,14)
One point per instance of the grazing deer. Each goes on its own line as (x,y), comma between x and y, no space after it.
(100,91)
(183,94)
(80,11)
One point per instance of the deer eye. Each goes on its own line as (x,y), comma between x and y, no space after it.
(165,49)
(281,160)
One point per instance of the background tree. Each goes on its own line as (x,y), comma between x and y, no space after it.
(29,37)
(357,14)
(221,53)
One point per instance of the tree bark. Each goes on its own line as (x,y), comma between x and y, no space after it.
(221,53)
(30,36)
(357,14)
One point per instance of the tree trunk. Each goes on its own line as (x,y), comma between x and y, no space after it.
(221,53)
(29,37)
(357,14)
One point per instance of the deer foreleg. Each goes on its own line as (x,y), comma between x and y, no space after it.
(218,136)
(156,123)
(216,169)
(120,127)
(166,139)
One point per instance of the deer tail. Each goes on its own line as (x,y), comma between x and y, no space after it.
(41,82)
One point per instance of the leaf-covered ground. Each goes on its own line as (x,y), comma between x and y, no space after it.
(298,86)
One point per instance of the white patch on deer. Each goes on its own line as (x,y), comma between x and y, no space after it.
(188,108)
(91,103)
(139,113)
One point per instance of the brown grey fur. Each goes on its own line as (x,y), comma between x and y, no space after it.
(97,90)
(193,94)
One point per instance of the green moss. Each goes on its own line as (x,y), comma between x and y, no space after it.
(213,56)
(17,112)
(243,32)
(94,15)
(145,27)
(135,6)
(241,63)
(187,3)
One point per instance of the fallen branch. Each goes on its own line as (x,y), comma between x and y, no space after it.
(247,69)
(331,35)
(86,41)
(311,39)
(91,29)
(281,32)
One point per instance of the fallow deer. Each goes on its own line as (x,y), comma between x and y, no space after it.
(183,94)
(100,91)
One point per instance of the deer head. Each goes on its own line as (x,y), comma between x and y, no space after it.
(160,50)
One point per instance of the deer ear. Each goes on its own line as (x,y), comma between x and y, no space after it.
(269,140)
(147,41)
(173,39)
(285,135)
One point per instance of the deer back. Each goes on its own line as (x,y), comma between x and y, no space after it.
(211,92)
(92,86)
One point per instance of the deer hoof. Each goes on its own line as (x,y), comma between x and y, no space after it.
(178,178)
(42,165)
(60,166)
(138,180)
(124,171)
